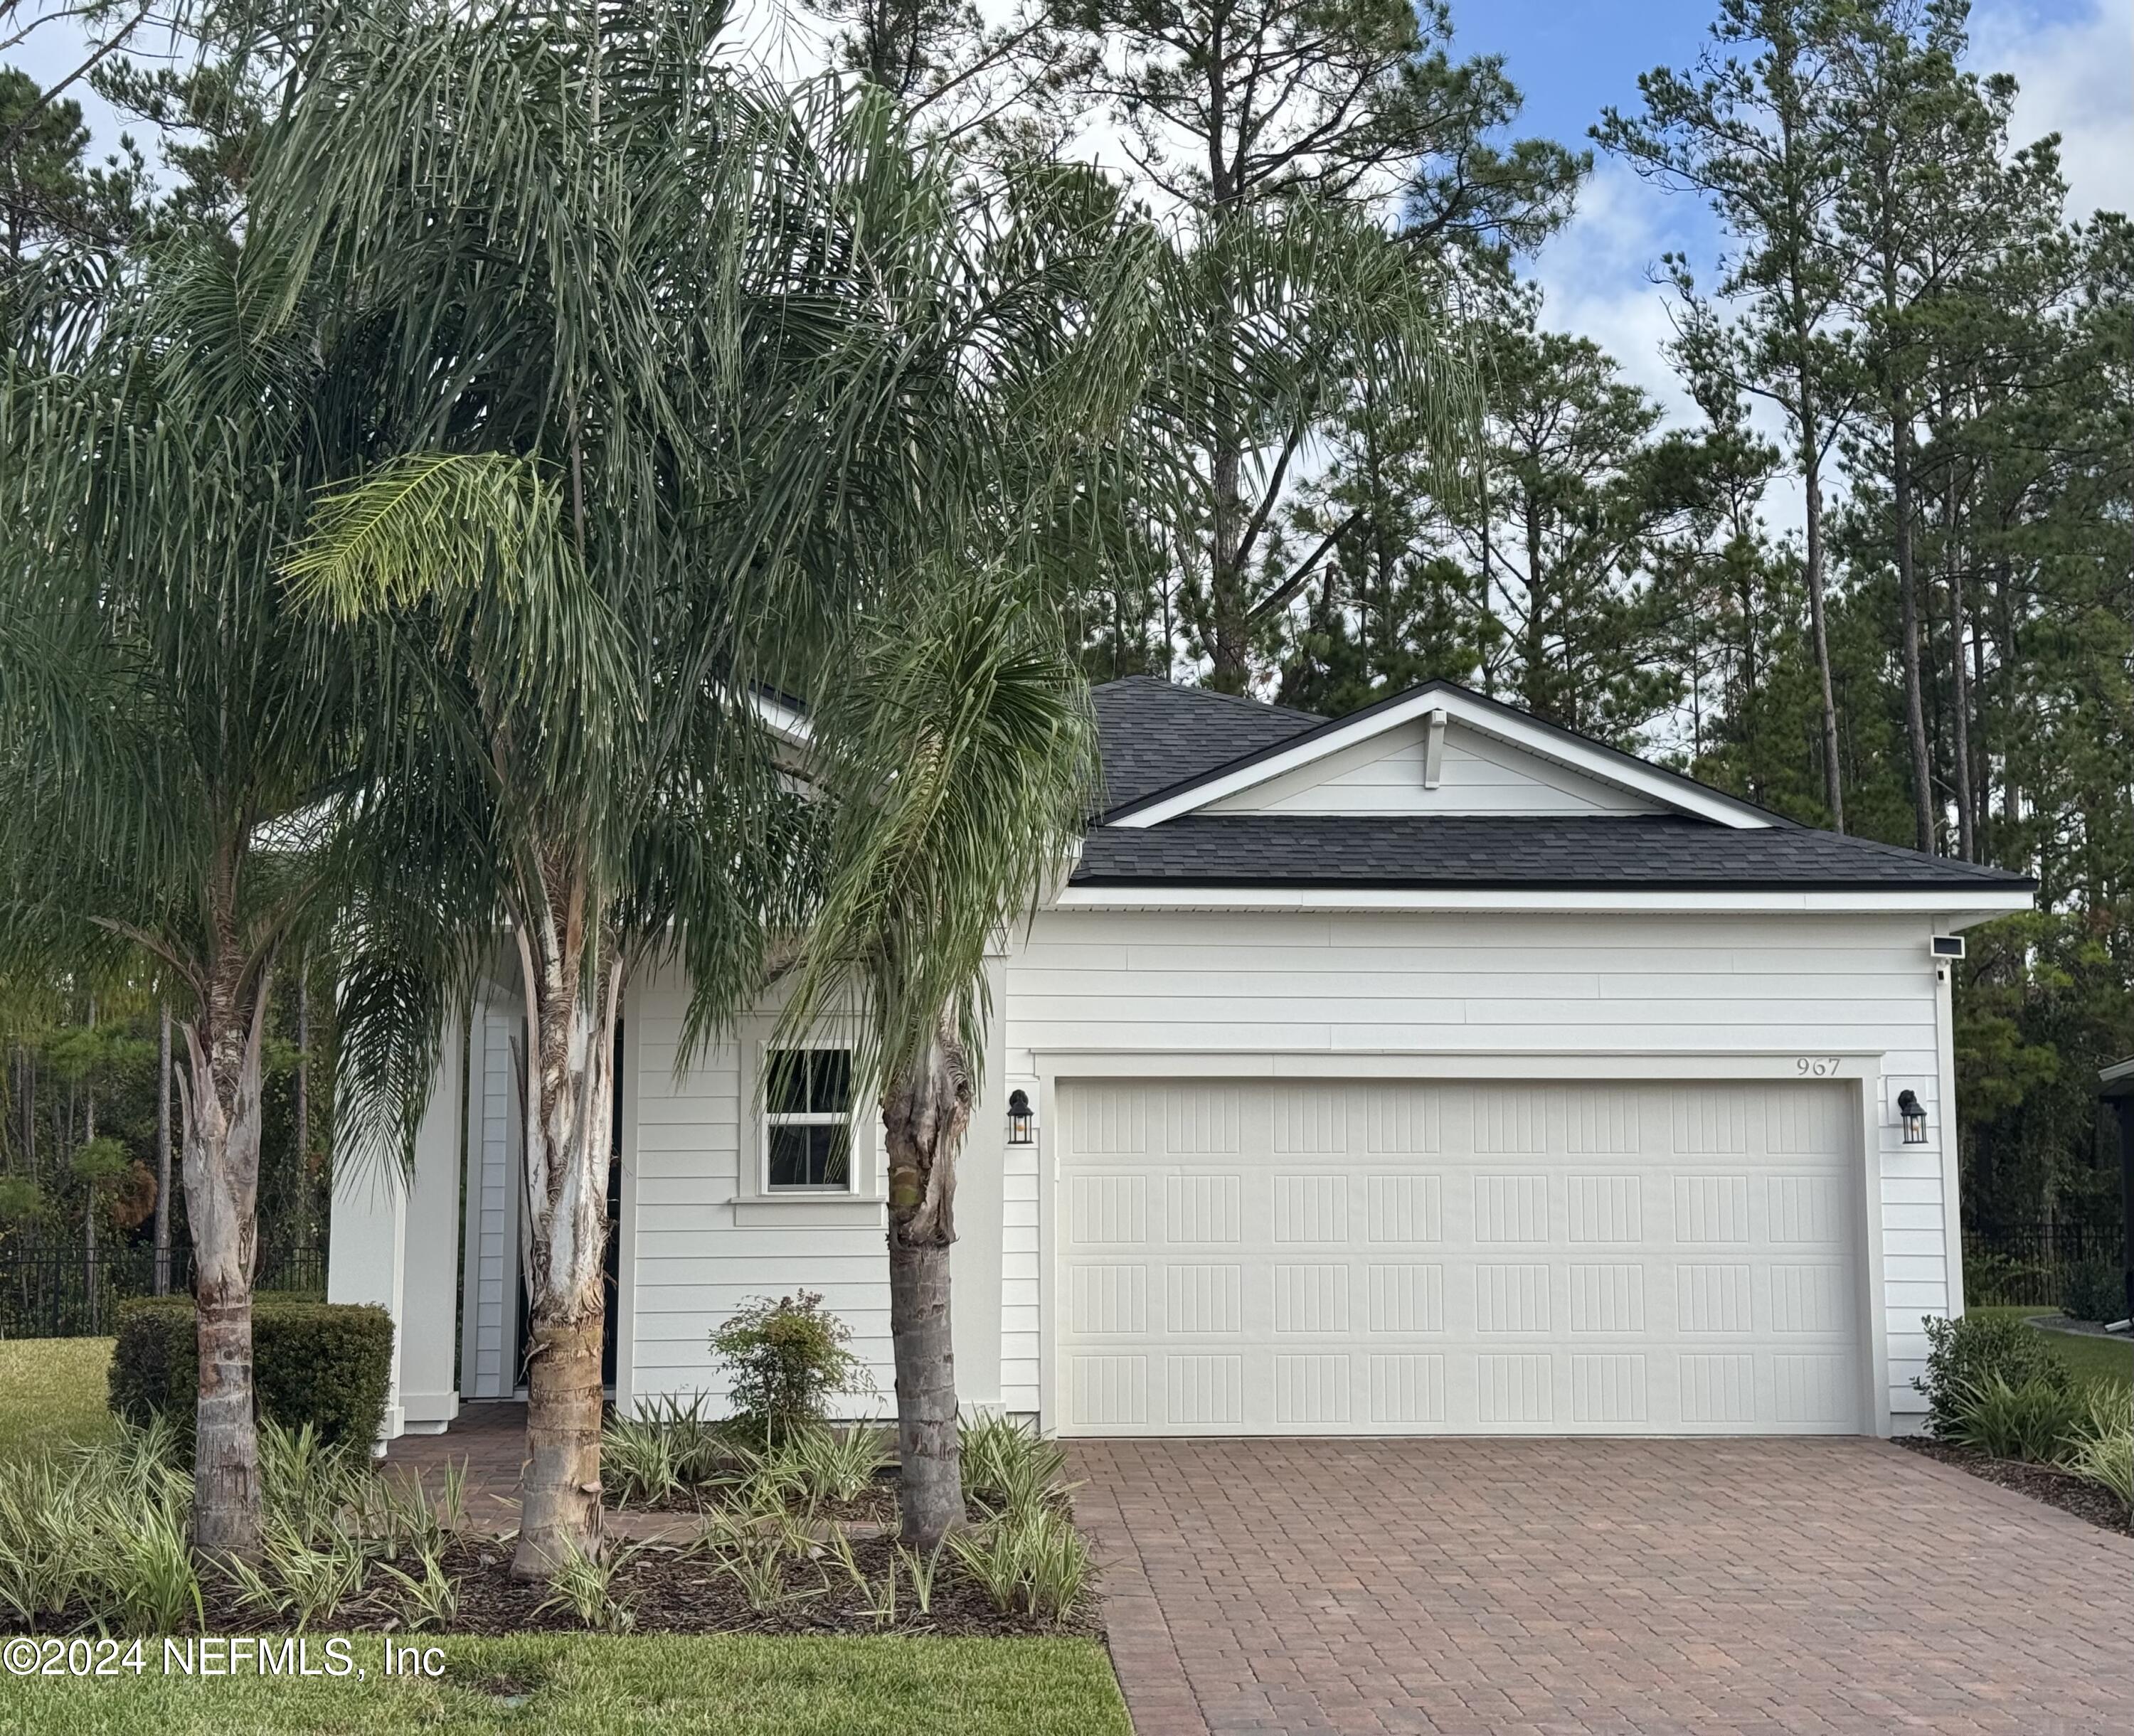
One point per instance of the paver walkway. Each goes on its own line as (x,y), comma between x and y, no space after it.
(1599,1588)
(489,1438)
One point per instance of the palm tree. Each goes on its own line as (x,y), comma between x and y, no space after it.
(168,726)
(669,367)
(959,763)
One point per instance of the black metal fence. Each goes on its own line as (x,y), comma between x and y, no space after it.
(59,1291)
(2029,1264)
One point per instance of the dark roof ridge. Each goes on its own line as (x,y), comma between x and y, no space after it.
(1261,705)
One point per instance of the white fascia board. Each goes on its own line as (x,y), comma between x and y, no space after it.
(1588,759)
(1964,906)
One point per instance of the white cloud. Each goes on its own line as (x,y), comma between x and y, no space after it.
(1598,272)
(2077,74)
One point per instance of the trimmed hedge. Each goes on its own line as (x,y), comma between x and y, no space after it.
(326,1364)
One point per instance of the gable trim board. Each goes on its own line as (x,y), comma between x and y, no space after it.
(1485,717)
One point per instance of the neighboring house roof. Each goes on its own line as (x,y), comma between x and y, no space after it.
(1555,852)
(1178,762)
(1155,734)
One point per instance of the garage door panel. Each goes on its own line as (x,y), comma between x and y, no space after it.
(1347,1258)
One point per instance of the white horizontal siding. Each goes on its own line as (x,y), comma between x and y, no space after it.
(1259,983)
(1476,775)
(692,1264)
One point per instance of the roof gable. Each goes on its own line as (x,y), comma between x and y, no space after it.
(1475,773)
(1436,748)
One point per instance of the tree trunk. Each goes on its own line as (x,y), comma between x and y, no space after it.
(1228,643)
(572,1087)
(563,1397)
(163,1152)
(929,1491)
(1833,784)
(1908,610)
(221,1101)
(88,1197)
(1966,812)
(924,1112)
(303,1103)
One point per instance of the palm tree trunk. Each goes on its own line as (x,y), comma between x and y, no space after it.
(572,1062)
(929,1493)
(924,1112)
(221,1101)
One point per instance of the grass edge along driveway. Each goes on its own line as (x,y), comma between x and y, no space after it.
(602,1685)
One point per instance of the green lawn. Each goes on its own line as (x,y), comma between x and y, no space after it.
(606,1687)
(53,1391)
(2090,1358)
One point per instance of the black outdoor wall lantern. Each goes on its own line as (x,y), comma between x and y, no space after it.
(1914,1117)
(1018,1117)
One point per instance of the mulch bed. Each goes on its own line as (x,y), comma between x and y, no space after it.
(2062,1489)
(669,1589)
(877,1505)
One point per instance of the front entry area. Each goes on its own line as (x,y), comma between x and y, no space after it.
(1408,1257)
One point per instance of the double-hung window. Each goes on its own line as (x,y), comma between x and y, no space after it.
(808,1120)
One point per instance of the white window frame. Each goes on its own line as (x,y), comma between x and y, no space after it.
(773,1119)
(756,1201)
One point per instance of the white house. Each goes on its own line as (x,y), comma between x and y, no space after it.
(1429,1070)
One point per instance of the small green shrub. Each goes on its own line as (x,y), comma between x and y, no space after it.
(326,1364)
(1010,1468)
(837,1464)
(785,1361)
(2032,1422)
(1035,1559)
(637,1461)
(585,1585)
(1969,1353)
(2101,1445)
(2095,1290)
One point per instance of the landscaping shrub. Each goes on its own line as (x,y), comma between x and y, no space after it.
(785,1361)
(2100,1446)
(2033,1422)
(328,1364)
(1036,1560)
(1010,1468)
(2095,1290)
(1968,1354)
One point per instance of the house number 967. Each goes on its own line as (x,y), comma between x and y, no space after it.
(1817,1066)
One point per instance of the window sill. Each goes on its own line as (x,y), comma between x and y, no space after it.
(812,1210)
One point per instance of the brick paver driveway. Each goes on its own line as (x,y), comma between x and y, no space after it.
(1702,1587)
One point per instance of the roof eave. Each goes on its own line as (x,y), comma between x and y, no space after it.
(1964,904)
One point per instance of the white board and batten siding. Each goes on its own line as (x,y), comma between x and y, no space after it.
(489,1346)
(1562,1000)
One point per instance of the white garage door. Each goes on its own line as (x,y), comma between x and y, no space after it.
(1421,1258)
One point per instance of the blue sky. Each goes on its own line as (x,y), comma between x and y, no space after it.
(2074,58)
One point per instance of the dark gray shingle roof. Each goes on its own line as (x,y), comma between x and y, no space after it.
(1541,852)
(1154,734)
